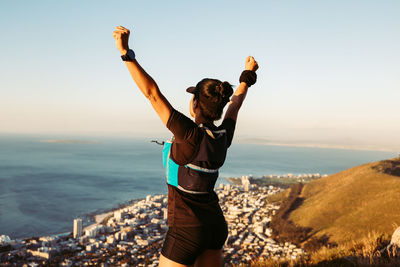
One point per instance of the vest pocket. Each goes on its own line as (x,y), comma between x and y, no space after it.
(195,181)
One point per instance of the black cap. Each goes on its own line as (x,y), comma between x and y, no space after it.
(191,89)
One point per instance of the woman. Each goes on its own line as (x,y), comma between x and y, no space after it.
(197,227)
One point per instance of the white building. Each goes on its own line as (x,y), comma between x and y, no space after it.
(148,198)
(90,247)
(4,239)
(94,229)
(246,187)
(165,213)
(110,239)
(77,228)
(245,180)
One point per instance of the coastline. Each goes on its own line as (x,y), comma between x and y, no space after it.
(136,232)
(96,217)
(47,192)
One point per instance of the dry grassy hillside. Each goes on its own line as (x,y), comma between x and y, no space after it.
(349,205)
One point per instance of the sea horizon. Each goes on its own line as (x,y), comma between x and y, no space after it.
(93,136)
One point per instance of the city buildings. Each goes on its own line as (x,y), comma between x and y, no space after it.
(133,235)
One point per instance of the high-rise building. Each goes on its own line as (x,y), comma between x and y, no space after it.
(165,213)
(246,187)
(77,228)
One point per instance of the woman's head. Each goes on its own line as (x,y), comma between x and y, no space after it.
(211,96)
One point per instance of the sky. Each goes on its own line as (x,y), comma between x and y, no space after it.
(329,70)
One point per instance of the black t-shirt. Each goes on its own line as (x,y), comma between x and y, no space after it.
(186,209)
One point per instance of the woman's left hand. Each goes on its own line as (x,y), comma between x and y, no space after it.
(251,64)
(121,36)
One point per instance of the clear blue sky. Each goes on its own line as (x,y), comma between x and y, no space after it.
(329,70)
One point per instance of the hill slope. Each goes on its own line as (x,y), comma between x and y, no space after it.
(348,205)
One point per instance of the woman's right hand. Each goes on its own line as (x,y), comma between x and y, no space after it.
(121,36)
(251,64)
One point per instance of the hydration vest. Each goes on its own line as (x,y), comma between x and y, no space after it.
(200,175)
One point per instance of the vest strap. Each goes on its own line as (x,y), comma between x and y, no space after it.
(211,132)
(190,191)
(201,169)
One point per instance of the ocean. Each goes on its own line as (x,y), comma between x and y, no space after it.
(45,185)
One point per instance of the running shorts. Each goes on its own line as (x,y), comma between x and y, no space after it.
(184,244)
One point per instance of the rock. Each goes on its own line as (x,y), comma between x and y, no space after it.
(395,238)
(394,242)
(391,166)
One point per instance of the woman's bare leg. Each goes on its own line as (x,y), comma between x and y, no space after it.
(210,258)
(165,262)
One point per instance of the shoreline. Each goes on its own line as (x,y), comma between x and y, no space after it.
(98,216)
(133,234)
(95,217)
(91,218)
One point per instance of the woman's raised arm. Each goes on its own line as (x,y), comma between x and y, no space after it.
(240,92)
(143,80)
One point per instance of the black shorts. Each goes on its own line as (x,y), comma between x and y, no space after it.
(185,244)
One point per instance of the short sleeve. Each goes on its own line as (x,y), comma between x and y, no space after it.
(229,125)
(181,126)
(186,137)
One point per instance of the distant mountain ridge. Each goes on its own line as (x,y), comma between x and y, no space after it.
(329,144)
(349,205)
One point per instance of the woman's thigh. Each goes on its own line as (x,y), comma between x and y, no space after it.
(165,262)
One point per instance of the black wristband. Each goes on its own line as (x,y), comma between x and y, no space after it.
(249,77)
(129,56)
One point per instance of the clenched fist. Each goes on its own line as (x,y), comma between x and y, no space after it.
(121,36)
(251,64)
